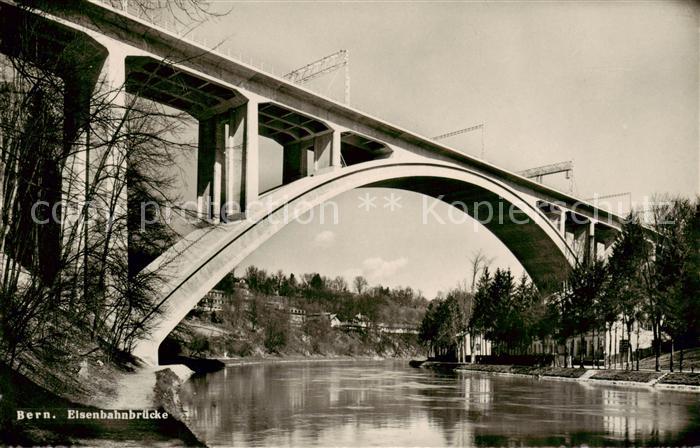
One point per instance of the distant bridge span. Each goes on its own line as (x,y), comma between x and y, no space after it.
(327,148)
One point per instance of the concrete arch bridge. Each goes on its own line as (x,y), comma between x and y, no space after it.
(327,149)
(545,243)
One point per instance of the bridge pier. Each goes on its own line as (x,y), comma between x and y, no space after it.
(327,152)
(589,237)
(579,228)
(322,152)
(592,245)
(294,161)
(326,156)
(561,224)
(114,82)
(227,163)
(604,238)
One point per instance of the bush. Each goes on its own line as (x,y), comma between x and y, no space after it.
(319,331)
(240,348)
(198,345)
(194,312)
(276,333)
(275,339)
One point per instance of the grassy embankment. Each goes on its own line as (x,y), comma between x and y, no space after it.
(631,376)
(691,361)
(682,378)
(526,370)
(642,376)
(646,374)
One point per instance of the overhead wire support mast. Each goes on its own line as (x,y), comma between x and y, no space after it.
(464,131)
(321,67)
(539,172)
(460,131)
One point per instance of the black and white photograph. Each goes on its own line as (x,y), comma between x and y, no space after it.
(349,223)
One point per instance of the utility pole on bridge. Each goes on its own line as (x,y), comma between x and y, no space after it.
(325,65)
(539,172)
(479,126)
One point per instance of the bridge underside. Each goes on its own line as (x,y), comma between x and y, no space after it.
(531,245)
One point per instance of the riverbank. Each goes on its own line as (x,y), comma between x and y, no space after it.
(55,420)
(298,358)
(688,382)
(213,364)
(195,337)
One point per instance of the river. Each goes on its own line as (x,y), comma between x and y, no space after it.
(388,403)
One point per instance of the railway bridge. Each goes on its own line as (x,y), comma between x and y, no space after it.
(328,148)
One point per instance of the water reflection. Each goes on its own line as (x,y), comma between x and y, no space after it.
(388,403)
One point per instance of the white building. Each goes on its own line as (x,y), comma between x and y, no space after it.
(481,347)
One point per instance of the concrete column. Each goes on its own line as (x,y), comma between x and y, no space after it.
(323,146)
(216,195)
(562,221)
(580,238)
(335,150)
(227,162)
(74,178)
(592,245)
(206,156)
(219,169)
(294,162)
(251,154)
(234,134)
(228,166)
(114,171)
(114,76)
(105,168)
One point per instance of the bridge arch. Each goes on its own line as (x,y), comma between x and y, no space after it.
(199,261)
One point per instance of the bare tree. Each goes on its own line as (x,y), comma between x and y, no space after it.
(479,263)
(339,284)
(68,238)
(359,283)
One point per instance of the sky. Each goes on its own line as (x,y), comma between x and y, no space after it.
(611,86)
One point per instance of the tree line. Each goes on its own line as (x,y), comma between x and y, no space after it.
(314,293)
(79,156)
(254,319)
(651,279)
